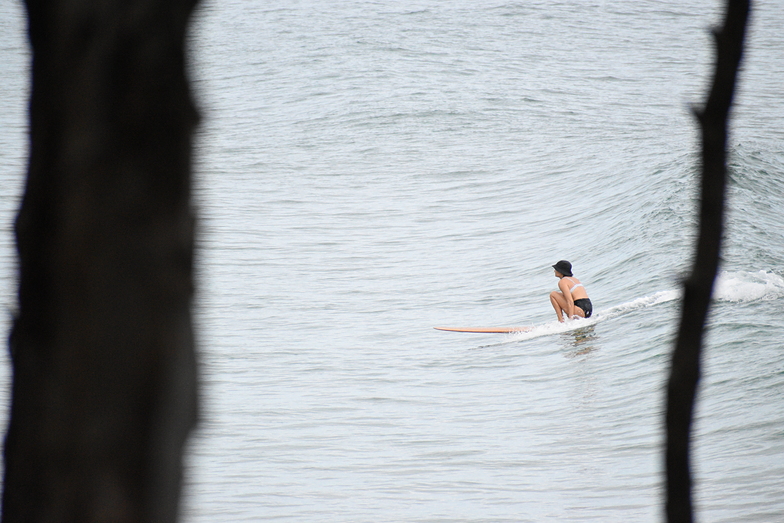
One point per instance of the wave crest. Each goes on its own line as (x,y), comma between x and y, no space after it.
(748,286)
(731,287)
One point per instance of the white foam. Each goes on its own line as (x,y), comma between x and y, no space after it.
(639,303)
(730,287)
(748,286)
(555,327)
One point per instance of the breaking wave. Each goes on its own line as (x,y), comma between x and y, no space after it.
(730,287)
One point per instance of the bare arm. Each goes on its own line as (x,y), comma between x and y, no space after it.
(564,286)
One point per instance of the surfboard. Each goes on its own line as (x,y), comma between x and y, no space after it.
(485,330)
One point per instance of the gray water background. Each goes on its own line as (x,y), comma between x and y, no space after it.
(368,170)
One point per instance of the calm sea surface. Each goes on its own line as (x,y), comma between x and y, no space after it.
(366,171)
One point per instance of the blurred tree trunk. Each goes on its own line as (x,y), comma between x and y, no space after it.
(698,287)
(104,371)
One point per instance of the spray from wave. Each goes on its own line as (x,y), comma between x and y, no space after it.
(748,286)
(730,287)
(639,303)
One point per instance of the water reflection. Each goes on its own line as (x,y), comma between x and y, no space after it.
(580,342)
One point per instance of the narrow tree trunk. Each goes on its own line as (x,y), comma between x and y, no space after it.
(698,288)
(104,372)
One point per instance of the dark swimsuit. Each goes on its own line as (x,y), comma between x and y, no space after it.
(585,305)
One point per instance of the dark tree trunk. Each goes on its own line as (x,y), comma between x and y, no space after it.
(698,287)
(104,371)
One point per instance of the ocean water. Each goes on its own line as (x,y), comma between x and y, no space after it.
(366,171)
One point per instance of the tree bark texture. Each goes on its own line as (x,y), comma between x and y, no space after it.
(698,287)
(104,371)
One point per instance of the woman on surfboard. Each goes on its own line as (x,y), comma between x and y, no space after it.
(572,299)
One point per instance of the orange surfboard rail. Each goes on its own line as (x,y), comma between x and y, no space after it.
(485,330)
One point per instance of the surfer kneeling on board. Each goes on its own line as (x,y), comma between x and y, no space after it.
(572,300)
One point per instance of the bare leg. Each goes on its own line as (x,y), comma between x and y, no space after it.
(579,312)
(559,304)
